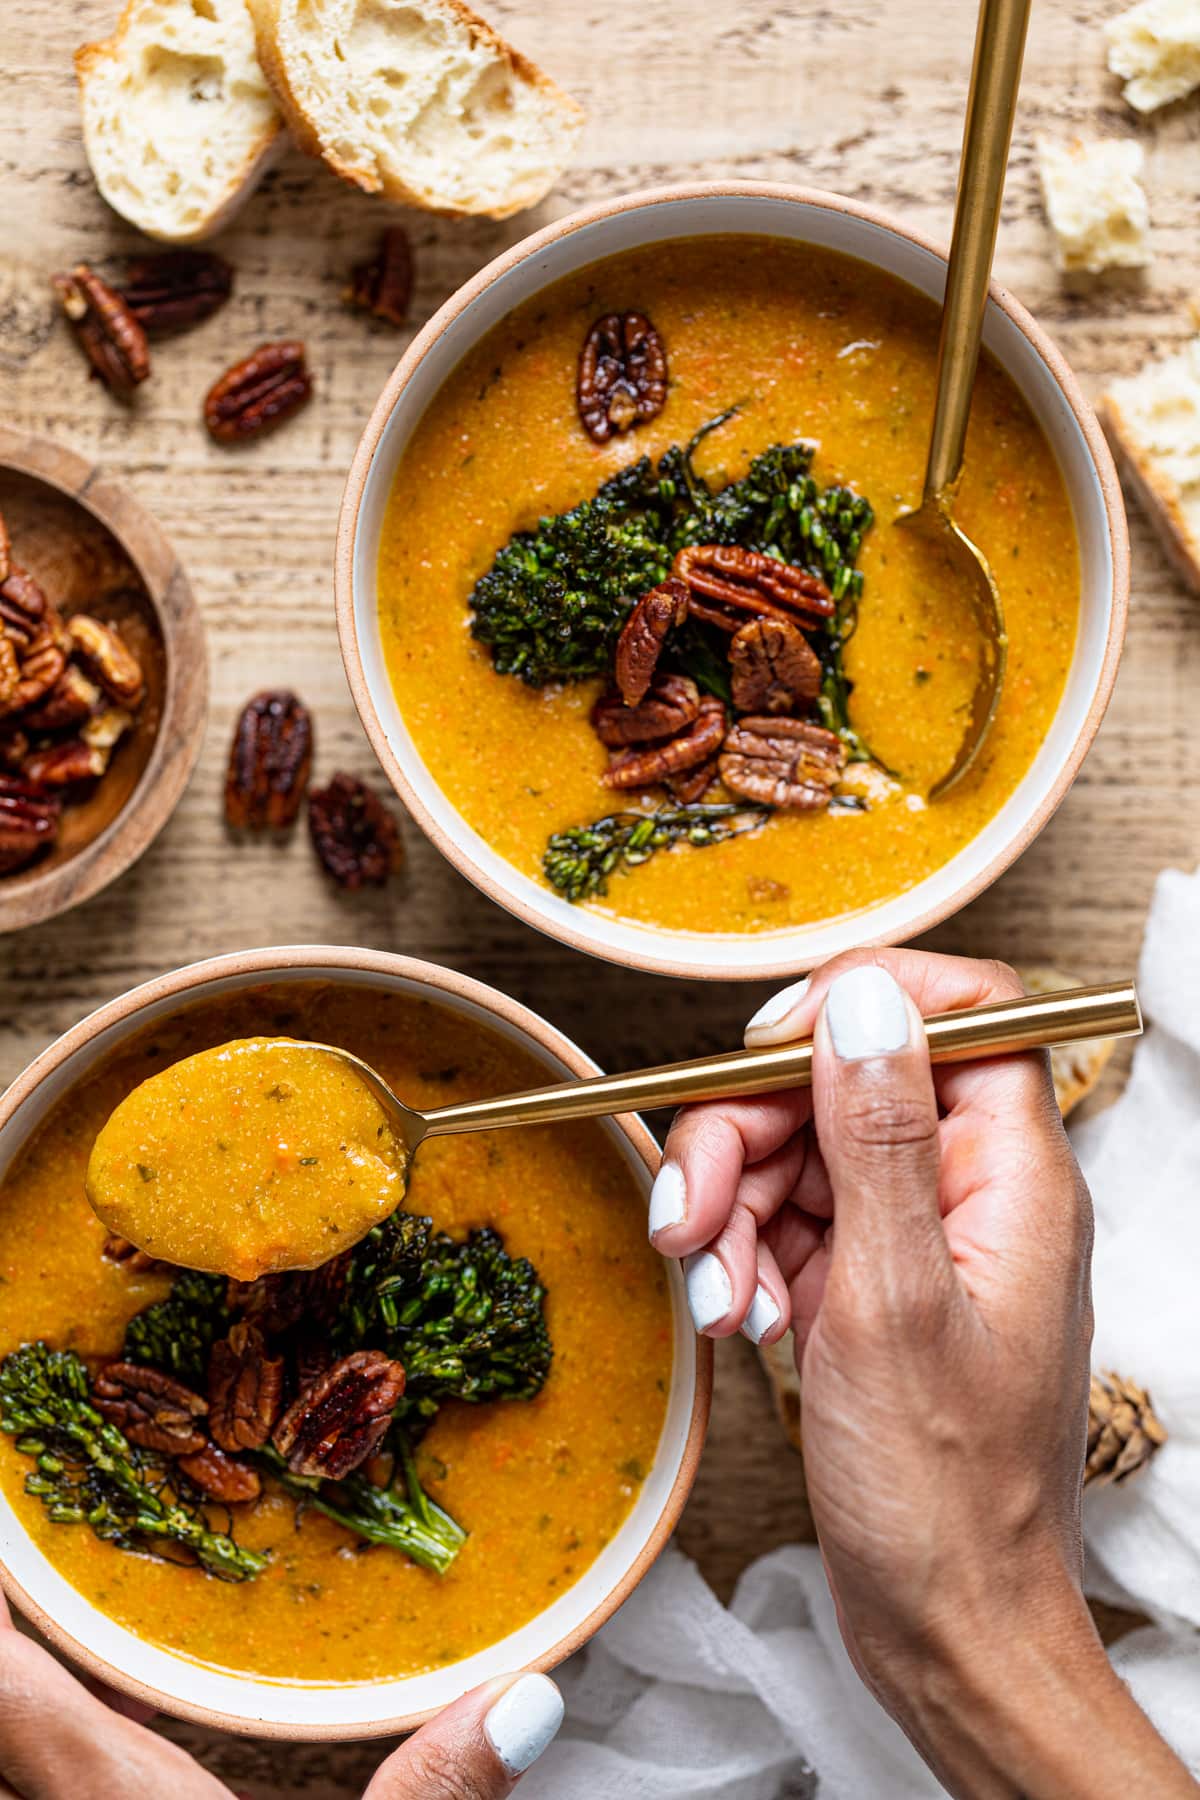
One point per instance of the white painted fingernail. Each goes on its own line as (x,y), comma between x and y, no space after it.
(762,1315)
(523,1721)
(668,1199)
(866,1012)
(778,1006)
(709,1291)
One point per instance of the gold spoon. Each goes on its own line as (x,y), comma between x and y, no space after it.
(987,134)
(1036,1021)
(202,1165)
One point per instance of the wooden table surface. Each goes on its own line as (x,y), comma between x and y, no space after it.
(863,97)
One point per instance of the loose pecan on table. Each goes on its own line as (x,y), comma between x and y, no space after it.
(725,583)
(622,376)
(774,667)
(106,655)
(270,760)
(110,336)
(29,819)
(383,284)
(175,290)
(697,744)
(245,1389)
(127,1256)
(670,703)
(219,1476)
(353,833)
(337,1421)
(786,763)
(151,1408)
(258,393)
(643,635)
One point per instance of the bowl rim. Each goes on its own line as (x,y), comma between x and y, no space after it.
(45,894)
(273,961)
(460,858)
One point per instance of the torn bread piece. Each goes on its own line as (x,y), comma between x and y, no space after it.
(1153,421)
(1155,49)
(1095,202)
(178,120)
(419,100)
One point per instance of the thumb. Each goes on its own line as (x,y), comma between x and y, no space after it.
(876,1120)
(478,1748)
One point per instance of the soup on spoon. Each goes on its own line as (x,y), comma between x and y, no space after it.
(257,1156)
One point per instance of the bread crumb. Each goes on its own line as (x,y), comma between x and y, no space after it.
(1095,202)
(1155,49)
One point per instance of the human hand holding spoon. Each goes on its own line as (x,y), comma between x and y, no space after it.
(269,1154)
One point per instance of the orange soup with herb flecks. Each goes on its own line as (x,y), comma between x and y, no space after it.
(538,1485)
(792,349)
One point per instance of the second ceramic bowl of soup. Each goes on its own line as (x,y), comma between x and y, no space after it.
(813,319)
(566,1497)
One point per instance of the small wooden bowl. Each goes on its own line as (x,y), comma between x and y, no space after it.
(84,537)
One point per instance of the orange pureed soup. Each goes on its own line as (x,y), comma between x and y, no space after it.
(807,344)
(540,1485)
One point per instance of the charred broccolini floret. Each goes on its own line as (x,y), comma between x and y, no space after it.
(554,600)
(383,1264)
(87,1472)
(177,1334)
(579,861)
(465,1318)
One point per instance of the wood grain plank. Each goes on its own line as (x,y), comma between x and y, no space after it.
(856,97)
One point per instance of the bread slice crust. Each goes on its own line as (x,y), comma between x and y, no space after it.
(1157,494)
(108,64)
(312,129)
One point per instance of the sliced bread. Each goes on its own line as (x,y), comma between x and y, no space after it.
(1153,420)
(1095,202)
(1155,48)
(178,119)
(418,100)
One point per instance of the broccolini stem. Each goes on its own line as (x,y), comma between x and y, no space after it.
(579,861)
(87,1471)
(423,1531)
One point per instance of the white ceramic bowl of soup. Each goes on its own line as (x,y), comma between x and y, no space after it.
(1024,353)
(108,1650)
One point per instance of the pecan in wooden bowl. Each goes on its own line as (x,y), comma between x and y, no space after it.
(103,679)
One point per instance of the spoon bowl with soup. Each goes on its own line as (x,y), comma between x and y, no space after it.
(268,1154)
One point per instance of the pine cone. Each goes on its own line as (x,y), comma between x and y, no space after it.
(1123,1432)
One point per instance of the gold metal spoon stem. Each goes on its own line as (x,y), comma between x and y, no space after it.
(987,135)
(1006,1026)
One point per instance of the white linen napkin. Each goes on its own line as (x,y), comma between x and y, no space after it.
(679,1698)
(1142,1161)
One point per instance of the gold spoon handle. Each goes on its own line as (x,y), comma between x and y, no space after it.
(987,134)
(1003,1027)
